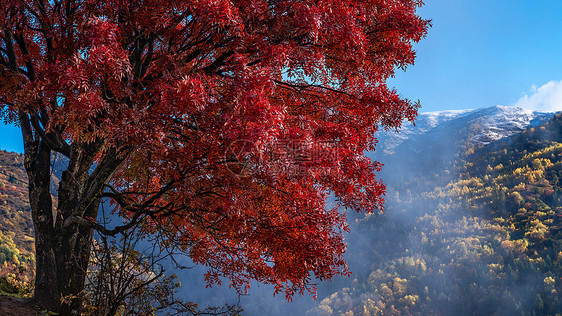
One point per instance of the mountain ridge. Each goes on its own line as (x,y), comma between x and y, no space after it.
(468,228)
(489,124)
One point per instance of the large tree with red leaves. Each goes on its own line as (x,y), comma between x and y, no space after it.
(221,126)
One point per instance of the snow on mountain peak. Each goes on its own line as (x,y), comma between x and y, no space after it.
(500,121)
(488,124)
(436,117)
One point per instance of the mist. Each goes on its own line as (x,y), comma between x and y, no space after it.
(453,239)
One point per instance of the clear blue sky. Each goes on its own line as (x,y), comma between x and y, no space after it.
(486,52)
(478,53)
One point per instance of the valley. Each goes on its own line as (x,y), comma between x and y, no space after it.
(471,225)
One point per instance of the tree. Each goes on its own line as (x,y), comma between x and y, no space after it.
(220,126)
(123,281)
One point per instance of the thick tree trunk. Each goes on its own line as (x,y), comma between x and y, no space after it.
(37,163)
(72,253)
(65,262)
(62,249)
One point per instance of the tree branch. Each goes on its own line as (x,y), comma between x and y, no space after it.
(10,51)
(53,140)
(218,62)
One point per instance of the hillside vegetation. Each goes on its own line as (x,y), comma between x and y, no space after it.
(16,227)
(481,237)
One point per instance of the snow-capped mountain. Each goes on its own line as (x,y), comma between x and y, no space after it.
(481,126)
(389,140)
(499,121)
(440,141)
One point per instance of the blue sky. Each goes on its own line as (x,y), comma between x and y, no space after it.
(486,52)
(10,138)
(478,53)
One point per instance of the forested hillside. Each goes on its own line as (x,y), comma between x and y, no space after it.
(479,236)
(17,247)
(16,228)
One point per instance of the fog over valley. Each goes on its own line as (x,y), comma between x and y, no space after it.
(471,225)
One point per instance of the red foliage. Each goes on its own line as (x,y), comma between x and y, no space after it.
(236,118)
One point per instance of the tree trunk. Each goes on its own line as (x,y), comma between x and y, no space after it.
(72,252)
(37,164)
(62,249)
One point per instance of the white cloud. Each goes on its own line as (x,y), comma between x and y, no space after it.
(547,98)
